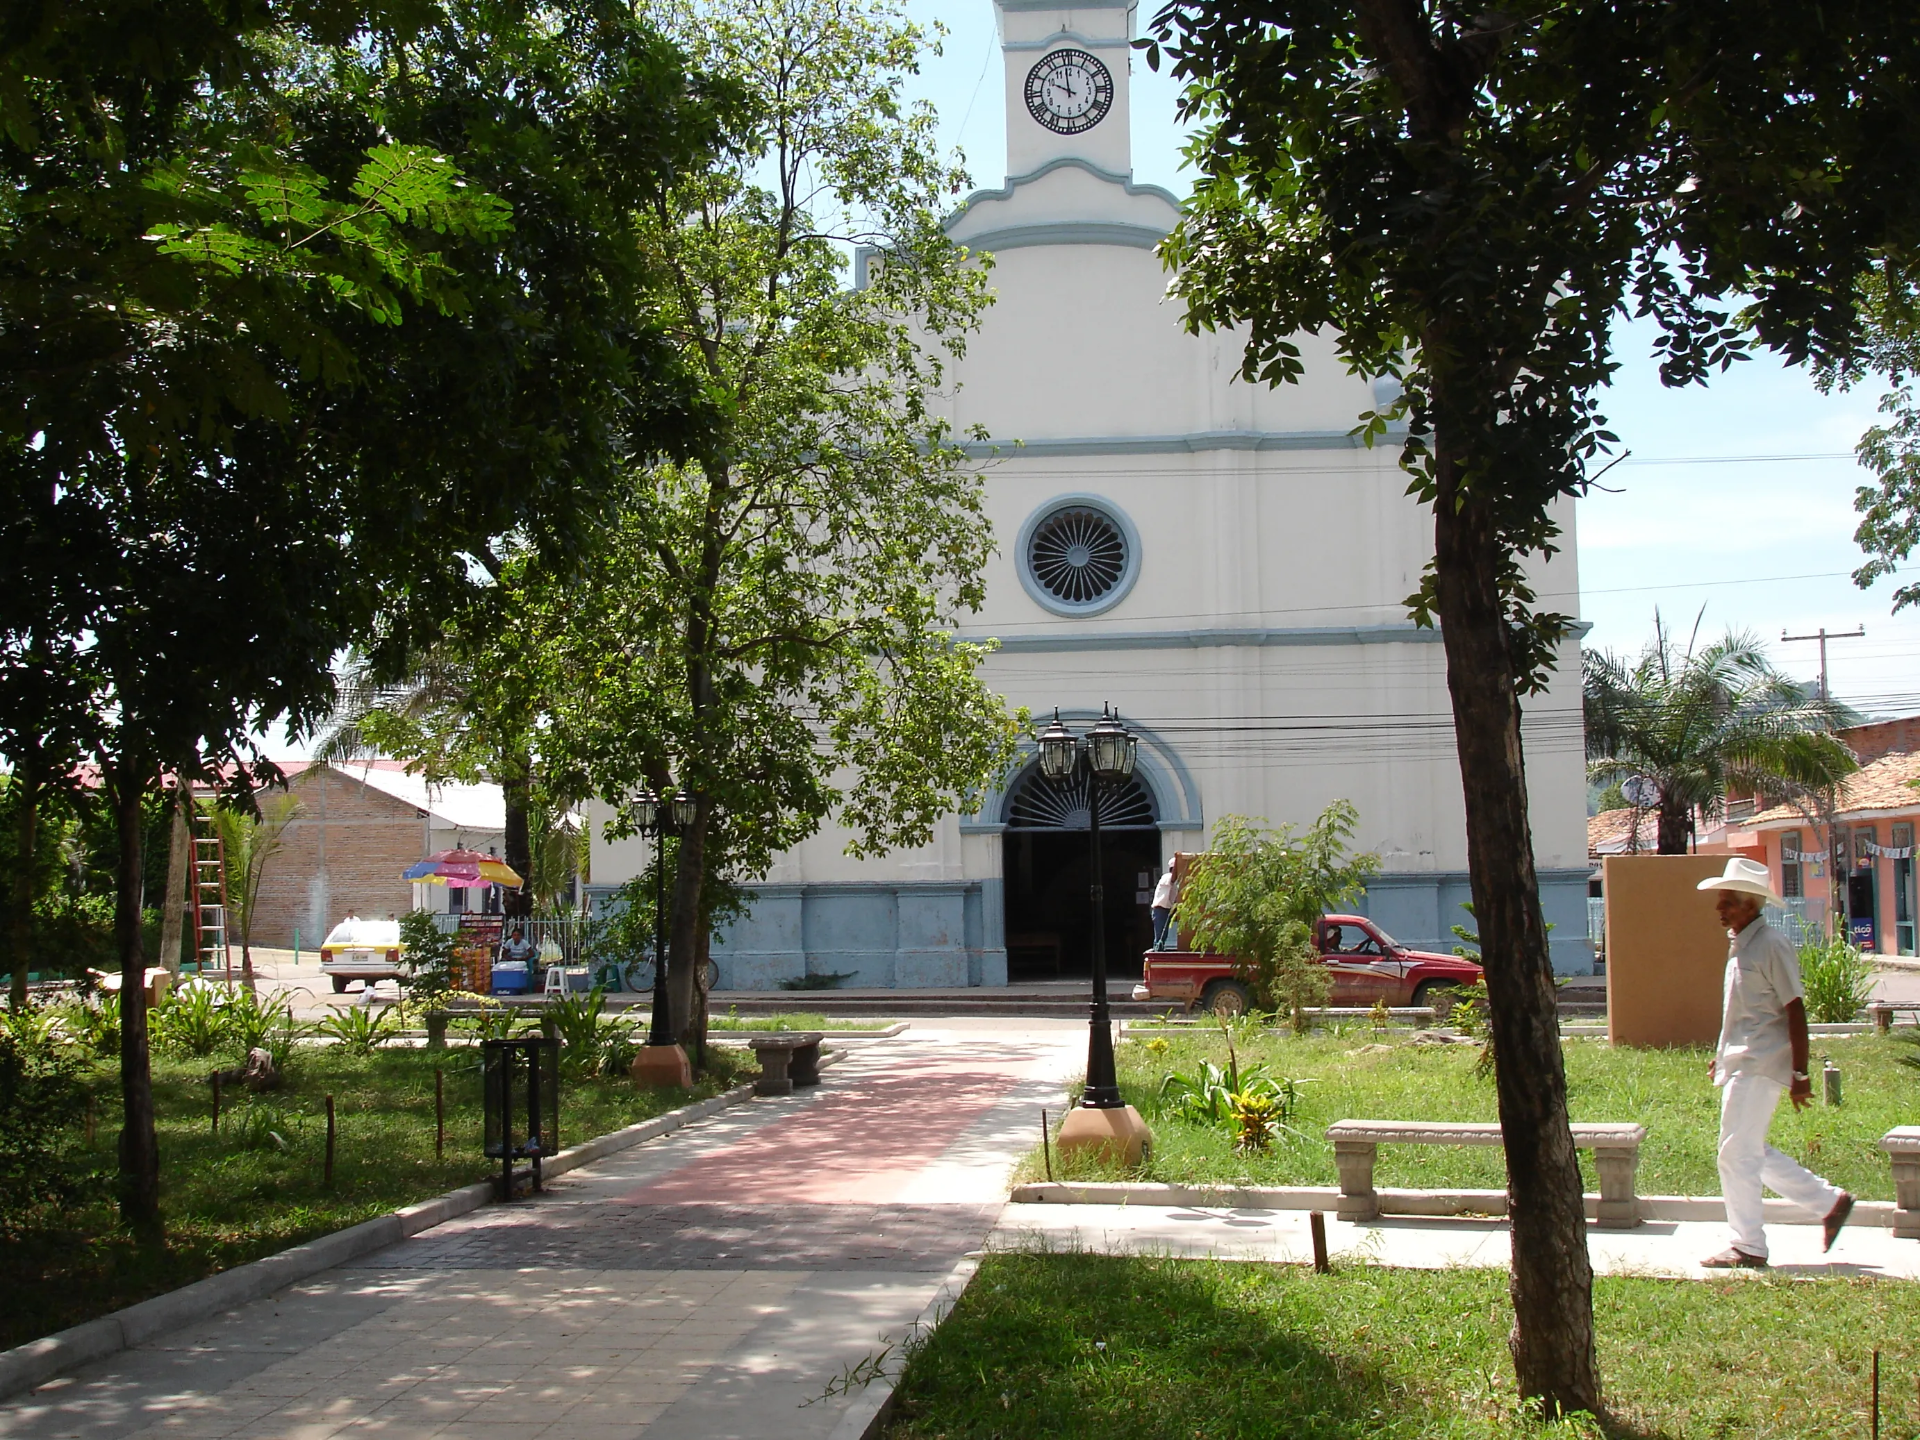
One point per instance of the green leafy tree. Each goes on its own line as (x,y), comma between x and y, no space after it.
(1889,299)
(771,626)
(1696,720)
(1471,197)
(1257,895)
(427,956)
(278,356)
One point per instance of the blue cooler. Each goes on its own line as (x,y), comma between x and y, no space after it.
(511,977)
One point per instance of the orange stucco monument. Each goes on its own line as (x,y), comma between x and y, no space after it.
(1666,950)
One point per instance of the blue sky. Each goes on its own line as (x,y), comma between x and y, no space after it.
(1763,544)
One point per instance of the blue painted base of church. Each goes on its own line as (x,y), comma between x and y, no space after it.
(927,935)
(950,934)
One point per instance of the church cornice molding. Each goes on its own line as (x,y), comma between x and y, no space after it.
(1069,37)
(1067,232)
(1064,162)
(1403,633)
(1190,444)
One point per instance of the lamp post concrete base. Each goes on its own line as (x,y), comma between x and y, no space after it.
(662,1066)
(1121,1134)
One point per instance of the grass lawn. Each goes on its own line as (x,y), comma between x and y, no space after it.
(1353,1075)
(246,1194)
(1076,1345)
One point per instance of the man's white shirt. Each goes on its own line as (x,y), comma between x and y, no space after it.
(1763,975)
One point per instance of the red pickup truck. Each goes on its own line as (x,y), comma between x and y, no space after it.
(1364,963)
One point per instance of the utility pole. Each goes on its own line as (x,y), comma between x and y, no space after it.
(1822,635)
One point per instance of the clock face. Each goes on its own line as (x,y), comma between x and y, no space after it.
(1069,91)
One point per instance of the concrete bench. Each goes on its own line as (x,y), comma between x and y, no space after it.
(1902,1145)
(1356,1144)
(786,1061)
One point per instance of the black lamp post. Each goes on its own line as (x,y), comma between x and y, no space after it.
(660,817)
(1108,754)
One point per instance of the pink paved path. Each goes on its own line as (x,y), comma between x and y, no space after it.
(861,1141)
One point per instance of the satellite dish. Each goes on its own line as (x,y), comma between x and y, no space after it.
(1641,791)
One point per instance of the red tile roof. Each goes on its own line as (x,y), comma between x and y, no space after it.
(1609,833)
(1886,784)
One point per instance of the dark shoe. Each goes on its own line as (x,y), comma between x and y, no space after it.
(1731,1259)
(1836,1217)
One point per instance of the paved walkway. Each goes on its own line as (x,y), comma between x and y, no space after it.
(713,1284)
(1664,1248)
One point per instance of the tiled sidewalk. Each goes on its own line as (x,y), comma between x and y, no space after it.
(713,1284)
(1664,1248)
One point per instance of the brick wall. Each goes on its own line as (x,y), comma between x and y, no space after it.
(345,851)
(1883,737)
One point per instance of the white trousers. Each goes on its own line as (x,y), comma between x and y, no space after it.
(1747,1162)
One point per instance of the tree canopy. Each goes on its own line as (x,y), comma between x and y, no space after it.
(300,306)
(1472,198)
(771,626)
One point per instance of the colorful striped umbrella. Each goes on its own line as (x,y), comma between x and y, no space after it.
(464,870)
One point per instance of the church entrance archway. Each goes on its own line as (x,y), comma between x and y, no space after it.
(1048,858)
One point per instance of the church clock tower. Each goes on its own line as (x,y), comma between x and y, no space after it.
(1067,84)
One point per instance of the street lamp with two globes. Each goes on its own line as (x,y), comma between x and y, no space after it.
(662,1060)
(1103,1120)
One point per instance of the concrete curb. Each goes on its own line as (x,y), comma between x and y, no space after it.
(26,1366)
(868,1414)
(1401,1202)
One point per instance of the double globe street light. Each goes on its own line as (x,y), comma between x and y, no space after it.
(662,1060)
(1103,1120)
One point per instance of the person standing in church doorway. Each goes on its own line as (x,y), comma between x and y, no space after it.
(1164,895)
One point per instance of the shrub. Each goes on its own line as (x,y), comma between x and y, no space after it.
(360,1031)
(1838,980)
(1258,894)
(94,1024)
(43,1099)
(191,1022)
(267,1024)
(593,1041)
(426,959)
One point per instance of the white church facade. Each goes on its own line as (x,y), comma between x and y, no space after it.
(1222,562)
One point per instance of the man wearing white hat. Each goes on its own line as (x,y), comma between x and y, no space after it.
(1762,1052)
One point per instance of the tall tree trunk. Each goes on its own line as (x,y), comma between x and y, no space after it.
(516,789)
(127,781)
(173,910)
(683,944)
(1552,1281)
(697,1017)
(1675,829)
(26,780)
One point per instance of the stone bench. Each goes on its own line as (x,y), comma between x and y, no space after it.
(1356,1143)
(786,1061)
(1902,1145)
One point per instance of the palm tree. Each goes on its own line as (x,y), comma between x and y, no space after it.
(436,708)
(1698,722)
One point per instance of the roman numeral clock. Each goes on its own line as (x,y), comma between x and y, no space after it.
(1069,91)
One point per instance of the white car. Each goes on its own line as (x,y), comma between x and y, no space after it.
(366,950)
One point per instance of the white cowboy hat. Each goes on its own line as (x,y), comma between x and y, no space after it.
(1748,876)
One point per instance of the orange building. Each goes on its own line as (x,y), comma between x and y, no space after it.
(1866,844)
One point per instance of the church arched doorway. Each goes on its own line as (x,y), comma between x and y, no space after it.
(1048,858)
